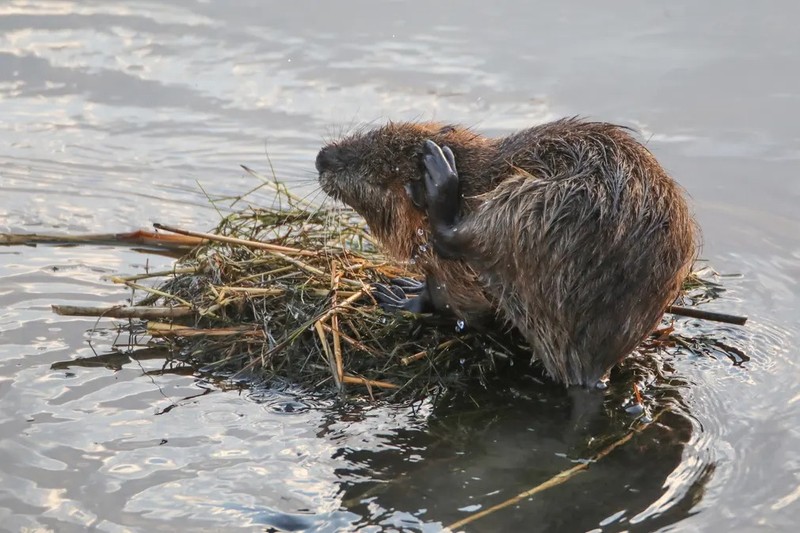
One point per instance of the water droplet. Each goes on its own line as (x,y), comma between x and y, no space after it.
(460,325)
(462,361)
(446,306)
(412,261)
(420,232)
(635,409)
(423,248)
(397,169)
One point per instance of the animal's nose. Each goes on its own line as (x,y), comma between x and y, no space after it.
(325,158)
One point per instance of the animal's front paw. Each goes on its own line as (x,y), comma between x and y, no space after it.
(441,186)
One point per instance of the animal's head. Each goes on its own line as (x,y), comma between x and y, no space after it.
(378,173)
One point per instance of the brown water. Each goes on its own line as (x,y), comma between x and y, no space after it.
(112,111)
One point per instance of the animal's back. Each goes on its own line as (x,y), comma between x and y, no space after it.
(583,242)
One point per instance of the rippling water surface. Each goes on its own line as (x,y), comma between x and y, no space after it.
(113,115)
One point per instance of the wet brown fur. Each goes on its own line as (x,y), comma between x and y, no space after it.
(571,231)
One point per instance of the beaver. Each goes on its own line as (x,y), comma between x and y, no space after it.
(570,231)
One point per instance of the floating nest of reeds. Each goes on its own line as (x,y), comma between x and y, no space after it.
(284,293)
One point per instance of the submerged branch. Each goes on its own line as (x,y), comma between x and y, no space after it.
(707,315)
(561,477)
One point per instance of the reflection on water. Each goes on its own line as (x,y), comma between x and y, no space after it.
(474,457)
(113,111)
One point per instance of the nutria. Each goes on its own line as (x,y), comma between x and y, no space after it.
(571,231)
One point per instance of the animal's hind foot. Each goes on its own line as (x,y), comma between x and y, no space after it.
(442,198)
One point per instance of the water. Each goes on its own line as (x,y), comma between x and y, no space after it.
(114,114)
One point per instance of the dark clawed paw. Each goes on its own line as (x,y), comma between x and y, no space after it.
(440,164)
(441,184)
(451,159)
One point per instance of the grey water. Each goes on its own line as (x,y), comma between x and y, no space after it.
(117,114)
